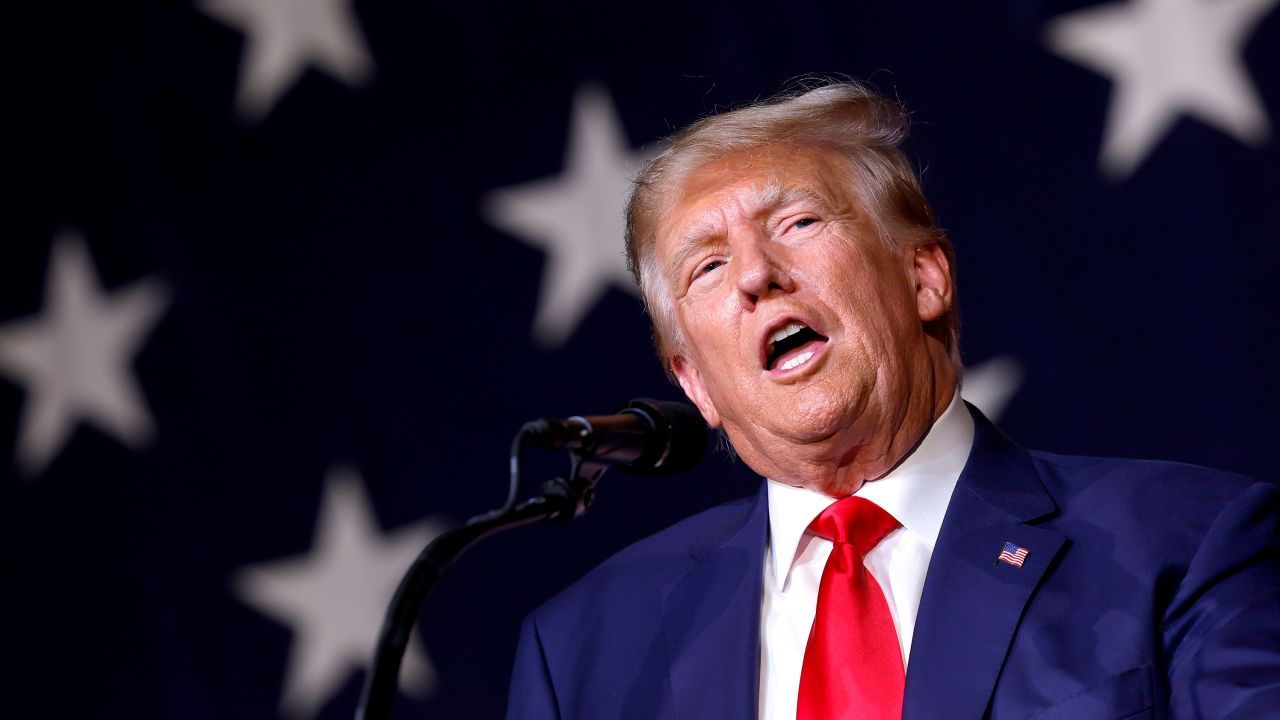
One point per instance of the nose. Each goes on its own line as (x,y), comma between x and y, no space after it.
(759,272)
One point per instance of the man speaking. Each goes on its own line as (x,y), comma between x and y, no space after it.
(903,558)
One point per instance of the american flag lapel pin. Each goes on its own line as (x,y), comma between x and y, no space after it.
(1012,554)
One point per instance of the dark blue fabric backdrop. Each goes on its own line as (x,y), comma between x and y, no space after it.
(276,290)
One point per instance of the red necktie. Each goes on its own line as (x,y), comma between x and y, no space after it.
(852,664)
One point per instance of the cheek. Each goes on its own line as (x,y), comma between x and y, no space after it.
(875,296)
(709,314)
(709,337)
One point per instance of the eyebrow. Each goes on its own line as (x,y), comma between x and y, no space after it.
(690,242)
(768,198)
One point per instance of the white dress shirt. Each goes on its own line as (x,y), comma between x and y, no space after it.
(916,493)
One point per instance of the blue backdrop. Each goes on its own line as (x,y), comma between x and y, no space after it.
(281,278)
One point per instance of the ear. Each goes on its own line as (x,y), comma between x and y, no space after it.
(933,282)
(691,382)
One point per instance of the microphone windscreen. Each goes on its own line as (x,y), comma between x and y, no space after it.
(681,437)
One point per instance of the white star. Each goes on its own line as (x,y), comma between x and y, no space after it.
(335,597)
(991,385)
(1166,58)
(283,37)
(577,218)
(75,359)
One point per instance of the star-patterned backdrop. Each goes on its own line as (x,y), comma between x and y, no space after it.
(282,277)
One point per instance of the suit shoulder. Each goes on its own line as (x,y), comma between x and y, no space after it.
(1073,474)
(1139,499)
(643,569)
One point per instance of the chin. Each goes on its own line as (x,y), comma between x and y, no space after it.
(819,416)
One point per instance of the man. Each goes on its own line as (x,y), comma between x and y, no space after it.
(903,558)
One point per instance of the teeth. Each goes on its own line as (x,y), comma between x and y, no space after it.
(796,361)
(786,331)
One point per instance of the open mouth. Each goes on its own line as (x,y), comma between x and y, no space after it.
(791,346)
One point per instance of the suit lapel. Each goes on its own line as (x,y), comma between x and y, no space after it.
(972,603)
(711,623)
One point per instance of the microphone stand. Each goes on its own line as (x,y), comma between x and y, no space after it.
(558,499)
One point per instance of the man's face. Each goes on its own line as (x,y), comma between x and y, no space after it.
(800,328)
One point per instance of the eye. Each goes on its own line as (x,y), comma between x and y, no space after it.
(704,271)
(803,223)
(708,267)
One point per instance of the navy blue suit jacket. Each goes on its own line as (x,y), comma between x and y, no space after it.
(1151,590)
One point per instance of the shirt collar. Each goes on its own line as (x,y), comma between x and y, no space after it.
(916,492)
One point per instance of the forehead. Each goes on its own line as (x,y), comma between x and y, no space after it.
(750,182)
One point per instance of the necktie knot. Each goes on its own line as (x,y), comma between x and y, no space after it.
(854,521)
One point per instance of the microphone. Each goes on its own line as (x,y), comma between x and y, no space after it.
(645,437)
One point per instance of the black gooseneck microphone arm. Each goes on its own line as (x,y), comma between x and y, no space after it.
(559,499)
